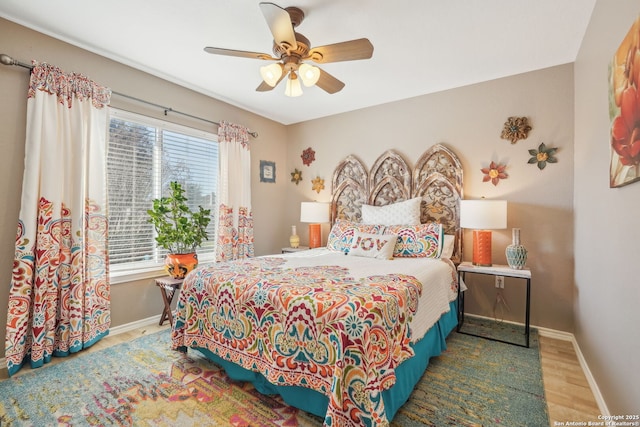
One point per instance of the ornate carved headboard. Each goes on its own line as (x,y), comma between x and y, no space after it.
(436,177)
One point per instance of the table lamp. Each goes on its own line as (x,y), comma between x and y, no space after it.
(315,213)
(483,216)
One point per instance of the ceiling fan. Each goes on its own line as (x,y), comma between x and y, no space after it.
(292,50)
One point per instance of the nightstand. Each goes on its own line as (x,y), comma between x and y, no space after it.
(168,288)
(289,250)
(494,270)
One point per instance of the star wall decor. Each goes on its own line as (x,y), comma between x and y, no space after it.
(308,156)
(515,128)
(317,184)
(296,176)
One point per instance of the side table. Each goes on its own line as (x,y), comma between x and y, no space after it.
(494,270)
(168,287)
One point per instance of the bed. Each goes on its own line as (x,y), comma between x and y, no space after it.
(345,331)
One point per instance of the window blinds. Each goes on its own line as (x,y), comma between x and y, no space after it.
(144,156)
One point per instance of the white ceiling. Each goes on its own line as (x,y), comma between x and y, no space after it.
(420,46)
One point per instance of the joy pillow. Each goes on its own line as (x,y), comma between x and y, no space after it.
(378,246)
(343,231)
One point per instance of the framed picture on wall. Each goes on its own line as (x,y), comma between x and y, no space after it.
(624,109)
(267,171)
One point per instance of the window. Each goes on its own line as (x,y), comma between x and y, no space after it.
(144,156)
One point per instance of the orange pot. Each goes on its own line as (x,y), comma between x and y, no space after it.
(179,265)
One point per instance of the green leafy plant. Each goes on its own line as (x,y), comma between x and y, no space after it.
(179,230)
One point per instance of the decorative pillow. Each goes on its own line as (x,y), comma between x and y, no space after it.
(378,246)
(342,233)
(447,246)
(417,241)
(407,212)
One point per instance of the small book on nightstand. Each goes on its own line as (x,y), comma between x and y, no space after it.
(289,250)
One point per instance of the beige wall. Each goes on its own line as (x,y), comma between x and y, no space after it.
(469,120)
(136,300)
(607,302)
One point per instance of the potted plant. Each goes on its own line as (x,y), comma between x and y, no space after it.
(179,230)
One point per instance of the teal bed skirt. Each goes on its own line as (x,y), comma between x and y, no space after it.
(407,374)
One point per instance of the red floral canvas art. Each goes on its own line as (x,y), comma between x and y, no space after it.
(624,110)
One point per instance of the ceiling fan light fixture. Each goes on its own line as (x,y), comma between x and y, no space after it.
(293,88)
(290,50)
(271,73)
(309,74)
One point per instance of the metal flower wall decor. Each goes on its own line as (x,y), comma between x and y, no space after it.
(542,156)
(308,156)
(494,173)
(296,176)
(317,184)
(516,128)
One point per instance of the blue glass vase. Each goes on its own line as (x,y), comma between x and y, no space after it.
(516,253)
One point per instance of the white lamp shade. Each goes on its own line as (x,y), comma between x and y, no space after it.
(483,214)
(309,74)
(271,73)
(314,212)
(293,88)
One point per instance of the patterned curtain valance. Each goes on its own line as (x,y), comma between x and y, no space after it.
(230,132)
(66,86)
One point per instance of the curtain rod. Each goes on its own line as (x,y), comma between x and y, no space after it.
(7,60)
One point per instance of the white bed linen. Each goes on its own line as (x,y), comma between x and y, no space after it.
(436,276)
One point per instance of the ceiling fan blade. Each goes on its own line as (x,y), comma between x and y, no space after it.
(264,87)
(279,23)
(328,83)
(238,53)
(344,51)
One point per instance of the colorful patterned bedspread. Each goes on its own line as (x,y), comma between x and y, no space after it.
(311,326)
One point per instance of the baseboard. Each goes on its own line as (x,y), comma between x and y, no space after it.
(115,331)
(567,336)
(134,325)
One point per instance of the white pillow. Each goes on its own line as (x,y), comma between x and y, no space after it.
(447,246)
(378,246)
(407,212)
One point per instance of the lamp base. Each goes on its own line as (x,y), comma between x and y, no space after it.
(482,248)
(315,236)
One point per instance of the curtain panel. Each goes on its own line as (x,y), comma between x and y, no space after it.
(59,296)
(235,221)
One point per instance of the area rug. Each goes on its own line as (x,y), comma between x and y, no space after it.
(476,382)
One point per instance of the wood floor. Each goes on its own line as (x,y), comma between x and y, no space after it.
(569,397)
